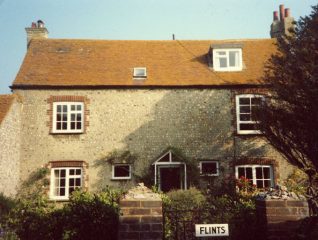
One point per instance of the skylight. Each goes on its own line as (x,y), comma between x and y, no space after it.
(140,72)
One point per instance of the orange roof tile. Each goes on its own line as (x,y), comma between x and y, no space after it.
(5,104)
(56,62)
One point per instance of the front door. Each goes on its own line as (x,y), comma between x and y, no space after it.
(170,178)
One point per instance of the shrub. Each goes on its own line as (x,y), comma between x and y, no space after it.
(86,215)
(93,215)
(185,199)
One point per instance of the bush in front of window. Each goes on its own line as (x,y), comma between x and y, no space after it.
(93,215)
(86,215)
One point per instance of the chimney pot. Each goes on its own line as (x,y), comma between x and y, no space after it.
(275,16)
(40,24)
(33,25)
(281,12)
(287,12)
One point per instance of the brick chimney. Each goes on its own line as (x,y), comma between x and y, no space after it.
(36,31)
(280,26)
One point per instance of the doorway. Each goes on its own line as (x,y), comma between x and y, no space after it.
(170,178)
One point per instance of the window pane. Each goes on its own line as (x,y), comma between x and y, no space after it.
(79,125)
(209,168)
(139,72)
(62,192)
(64,126)
(259,174)
(266,172)
(58,117)
(62,182)
(245,101)
(267,183)
(223,62)
(63,173)
(234,55)
(71,189)
(58,125)
(77,182)
(59,108)
(64,117)
(64,108)
(79,107)
(72,171)
(241,172)
(249,174)
(259,183)
(221,53)
(72,125)
(78,172)
(121,171)
(245,117)
(79,117)
(72,117)
(71,182)
(73,107)
(245,109)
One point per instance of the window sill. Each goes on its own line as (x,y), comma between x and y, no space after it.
(120,179)
(209,175)
(66,133)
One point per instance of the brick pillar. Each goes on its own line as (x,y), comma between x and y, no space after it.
(279,219)
(141,217)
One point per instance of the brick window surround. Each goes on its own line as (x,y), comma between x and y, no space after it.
(69,164)
(259,161)
(64,98)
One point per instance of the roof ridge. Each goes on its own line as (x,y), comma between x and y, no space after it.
(153,40)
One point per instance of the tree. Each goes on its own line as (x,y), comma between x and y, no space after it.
(289,118)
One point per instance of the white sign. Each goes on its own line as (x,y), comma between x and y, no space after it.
(211,230)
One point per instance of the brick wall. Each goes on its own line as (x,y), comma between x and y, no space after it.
(279,219)
(141,219)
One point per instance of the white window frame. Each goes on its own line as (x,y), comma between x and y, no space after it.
(238,121)
(67,178)
(136,69)
(254,166)
(210,174)
(69,112)
(121,178)
(227,51)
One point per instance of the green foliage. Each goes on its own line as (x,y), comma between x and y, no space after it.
(296,182)
(6,204)
(84,216)
(217,205)
(288,117)
(36,184)
(185,199)
(92,215)
(120,156)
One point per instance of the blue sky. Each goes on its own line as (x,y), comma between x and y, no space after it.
(134,19)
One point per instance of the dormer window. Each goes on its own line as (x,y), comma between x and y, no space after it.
(227,57)
(140,72)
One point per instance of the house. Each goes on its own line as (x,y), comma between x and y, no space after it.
(108,112)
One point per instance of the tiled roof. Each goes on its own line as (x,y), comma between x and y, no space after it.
(56,62)
(5,104)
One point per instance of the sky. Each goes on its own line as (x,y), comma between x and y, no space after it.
(134,20)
